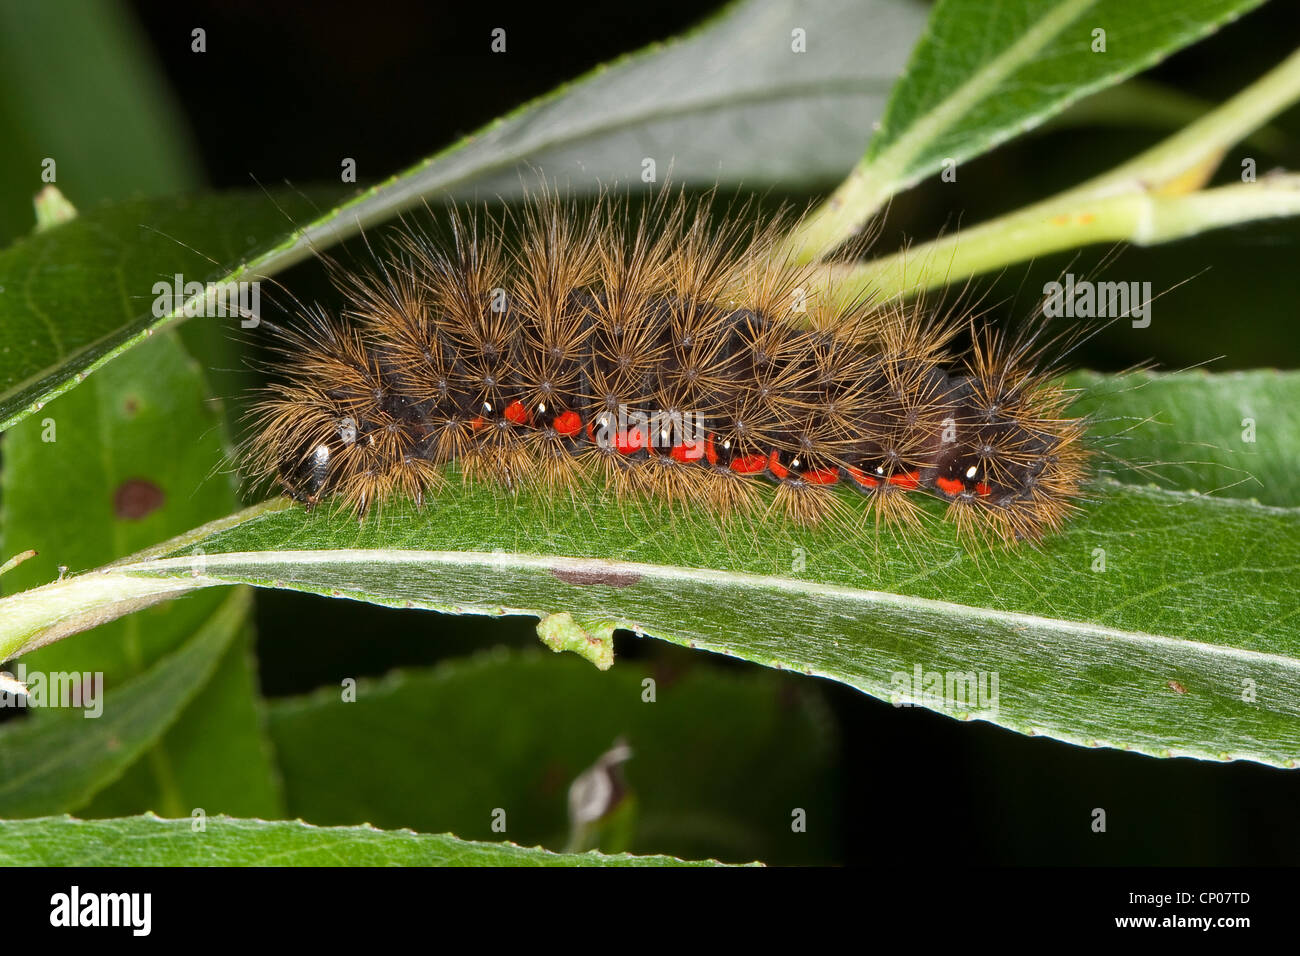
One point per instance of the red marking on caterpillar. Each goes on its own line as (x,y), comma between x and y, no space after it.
(688,452)
(861,478)
(516,414)
(567,424)
(949,486)
(711,452)
(749,465)
(821,476)
(594,348)
(629,441)
(911,480)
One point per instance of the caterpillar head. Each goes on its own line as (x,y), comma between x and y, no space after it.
(1022,481)
(304,477)
(308,471)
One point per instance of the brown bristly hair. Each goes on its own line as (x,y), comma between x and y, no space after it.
(506,357)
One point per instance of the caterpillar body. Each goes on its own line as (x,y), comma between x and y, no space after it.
(672,361)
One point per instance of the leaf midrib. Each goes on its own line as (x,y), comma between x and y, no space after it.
(707,576)
(977,88)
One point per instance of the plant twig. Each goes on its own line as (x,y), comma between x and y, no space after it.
(1154,197)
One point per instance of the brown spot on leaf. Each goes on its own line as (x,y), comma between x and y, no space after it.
(583,576)
(1177,687)
(666,673)
(131,405)
(137,497)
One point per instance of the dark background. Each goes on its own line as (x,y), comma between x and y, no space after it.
(285,90)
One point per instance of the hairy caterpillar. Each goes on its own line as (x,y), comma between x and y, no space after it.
(670,360)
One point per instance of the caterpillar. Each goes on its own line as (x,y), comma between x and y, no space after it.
(670,359)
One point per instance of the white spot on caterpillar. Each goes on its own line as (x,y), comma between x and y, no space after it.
(347,432)
(972,471)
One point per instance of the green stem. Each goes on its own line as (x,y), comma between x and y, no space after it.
(1197,148)
(1136,217)
(877,177)
(1128,202)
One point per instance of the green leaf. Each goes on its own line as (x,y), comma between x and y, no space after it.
(101,474)
(215,756)
(150,841)
(97,475)
(60,761)
(81,103)
(1154,197)
(1232,434)
(77,295)
(728,104)
(719,760)
(77,87)
(1195,595)
(983,73)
